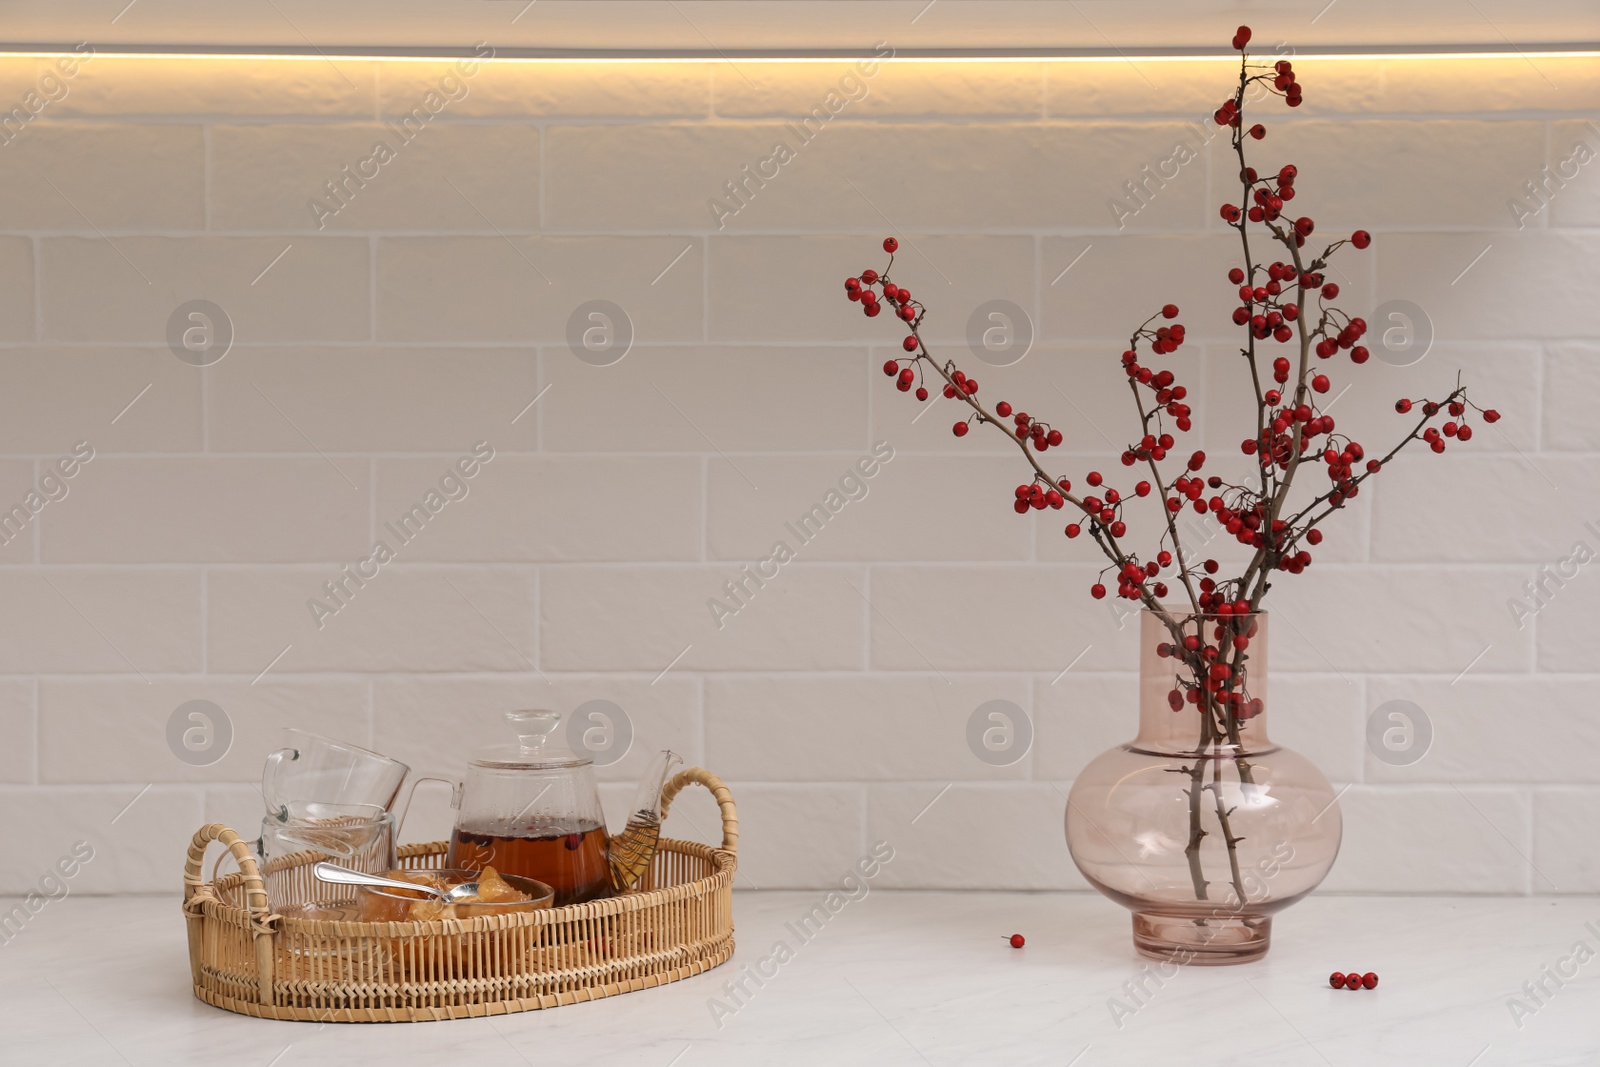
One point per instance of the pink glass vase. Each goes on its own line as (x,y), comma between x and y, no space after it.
(1201,825)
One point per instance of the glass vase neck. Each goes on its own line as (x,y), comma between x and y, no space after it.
(1202,681)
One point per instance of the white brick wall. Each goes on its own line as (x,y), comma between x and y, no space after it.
(429,312)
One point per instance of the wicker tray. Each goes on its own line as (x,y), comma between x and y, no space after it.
(249,960)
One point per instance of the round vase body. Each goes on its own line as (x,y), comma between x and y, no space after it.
(1202,826)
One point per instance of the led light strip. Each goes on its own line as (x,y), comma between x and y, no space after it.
(528,55)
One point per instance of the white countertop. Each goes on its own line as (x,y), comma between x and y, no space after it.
(895,978)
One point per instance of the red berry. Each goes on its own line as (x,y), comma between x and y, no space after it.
(1369,980)
(1002,409)
(891,368)
(1236,276)
(909,344)
(869,276)
(1359,354)
(1336,979)
(960,429)
(1491,415)
(1361,238)
(1118,528)
(1169,311)
(1017,940)
(1320,383)
(1331,290)
(1097,591)
(1403,406)
(1352,981)
(922,393)
(870,310)
(1314,537)
(890,244)
(1241,38)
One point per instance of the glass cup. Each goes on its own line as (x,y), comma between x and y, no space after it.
(320,770)
(358,836)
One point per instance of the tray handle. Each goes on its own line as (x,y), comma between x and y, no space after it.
(195,891)
(701,776)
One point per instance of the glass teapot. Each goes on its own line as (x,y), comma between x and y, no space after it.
(531,808)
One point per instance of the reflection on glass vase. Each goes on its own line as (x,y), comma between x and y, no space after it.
(1201,825)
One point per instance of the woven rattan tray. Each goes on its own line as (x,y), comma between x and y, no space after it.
(249,960)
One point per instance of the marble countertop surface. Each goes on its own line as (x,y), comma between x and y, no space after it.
(894,978)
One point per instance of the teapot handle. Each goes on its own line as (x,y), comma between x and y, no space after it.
(405,805)
(701,776)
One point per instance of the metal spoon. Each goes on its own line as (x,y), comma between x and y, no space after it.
(332,872)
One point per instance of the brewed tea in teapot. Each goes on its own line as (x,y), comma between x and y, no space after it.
(532,808)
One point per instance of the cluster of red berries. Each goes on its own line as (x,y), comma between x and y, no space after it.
(861,290)
(1268,199)
(1352,331)
(1285,82)
(1461,431)
(1164,340)
(1263,307)
(1027,428)
(1037,498)
(1131,577)
(1354,980)
(1278,446)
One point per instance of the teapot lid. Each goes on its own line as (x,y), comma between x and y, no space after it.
(537,747)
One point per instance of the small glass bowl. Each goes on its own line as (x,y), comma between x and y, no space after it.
(395,905)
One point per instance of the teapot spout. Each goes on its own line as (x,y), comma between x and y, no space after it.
(631,851)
